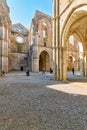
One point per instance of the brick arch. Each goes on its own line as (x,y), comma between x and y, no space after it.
(44,61)
(46,50)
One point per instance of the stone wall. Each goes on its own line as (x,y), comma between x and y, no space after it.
(40,39)
(5,24)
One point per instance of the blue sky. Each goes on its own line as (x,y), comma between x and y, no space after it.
(22,11)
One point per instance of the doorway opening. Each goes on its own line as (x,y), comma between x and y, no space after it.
(44,61)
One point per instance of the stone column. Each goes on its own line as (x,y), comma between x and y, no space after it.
(86,64)
(64,64)
(57,42)
(35,59)
(35,65)
(83,65)
(54,38)
(5,50)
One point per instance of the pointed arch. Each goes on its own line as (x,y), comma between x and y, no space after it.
(44,61)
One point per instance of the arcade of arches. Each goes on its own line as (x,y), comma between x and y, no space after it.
(69,37)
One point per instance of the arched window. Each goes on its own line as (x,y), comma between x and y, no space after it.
(44,33)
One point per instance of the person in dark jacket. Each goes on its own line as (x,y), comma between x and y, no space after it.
(51,71)
(73,70)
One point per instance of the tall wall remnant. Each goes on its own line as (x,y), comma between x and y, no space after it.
(5,25)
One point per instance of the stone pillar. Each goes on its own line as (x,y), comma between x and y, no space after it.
(86,64)
(3,49)
(64,64)
(54,39)
(35,65)
(58,43)
(83,65)
(35,59)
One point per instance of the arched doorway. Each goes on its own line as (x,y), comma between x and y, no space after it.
(44,61)
(75,41)
(70,63)
(74,55)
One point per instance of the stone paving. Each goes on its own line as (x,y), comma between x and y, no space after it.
(40,103)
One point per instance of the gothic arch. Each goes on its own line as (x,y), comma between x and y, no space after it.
(68,22)
(44,61)
(46,50)
(75,24)
(70,62)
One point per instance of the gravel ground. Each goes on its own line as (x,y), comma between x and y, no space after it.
(39,103)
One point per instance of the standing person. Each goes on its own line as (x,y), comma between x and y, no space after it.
(22,68)
(73,70)
(3,73)
(27,72)
(51,71)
